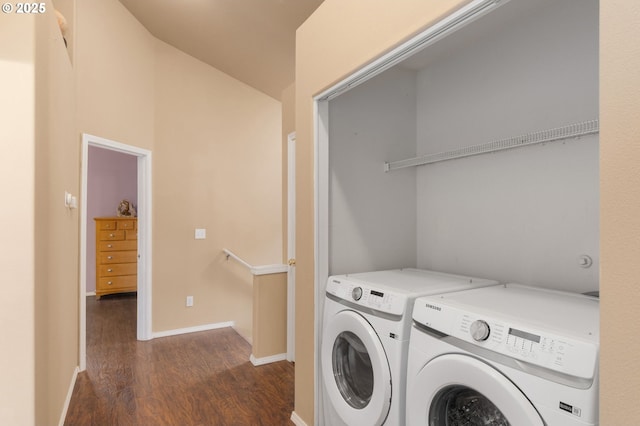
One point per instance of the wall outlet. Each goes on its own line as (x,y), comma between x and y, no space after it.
(200,234)
(189,301)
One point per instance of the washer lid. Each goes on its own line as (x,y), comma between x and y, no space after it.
(412,281)
(565,313)
(393,291)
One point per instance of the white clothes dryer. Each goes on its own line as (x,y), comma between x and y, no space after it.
(365,341)
(504,355)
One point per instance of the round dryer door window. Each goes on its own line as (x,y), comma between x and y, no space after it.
(355,370)
(456,389)
(352,369)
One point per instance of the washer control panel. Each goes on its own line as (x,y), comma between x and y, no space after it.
(573,356)
(363,295)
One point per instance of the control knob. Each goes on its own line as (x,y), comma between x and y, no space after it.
(480,330)
(356,293)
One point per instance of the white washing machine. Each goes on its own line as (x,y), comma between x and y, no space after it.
(504,355)
(365,340)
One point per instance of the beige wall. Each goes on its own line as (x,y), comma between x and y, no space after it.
(56,227)
(269,315)
(619,211)
(39,313)
(216,153)
(17,252)
(114,64)
(217,157)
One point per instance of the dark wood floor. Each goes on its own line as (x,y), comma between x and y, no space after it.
(200,378)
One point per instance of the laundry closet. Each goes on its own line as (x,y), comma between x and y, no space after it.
(527,71)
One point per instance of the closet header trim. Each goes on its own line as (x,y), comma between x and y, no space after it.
(441,29)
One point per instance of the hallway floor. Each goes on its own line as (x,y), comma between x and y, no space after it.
(202,378)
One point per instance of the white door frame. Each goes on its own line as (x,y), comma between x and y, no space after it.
(291,247)
(321,236)
(144,237)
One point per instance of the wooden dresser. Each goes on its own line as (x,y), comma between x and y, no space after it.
(116,255)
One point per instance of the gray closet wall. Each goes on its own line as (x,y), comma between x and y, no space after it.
(523,215)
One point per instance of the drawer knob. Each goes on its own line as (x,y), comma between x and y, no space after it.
(109,257)
(109,270)
(109,283)
(111,235)
(109,245)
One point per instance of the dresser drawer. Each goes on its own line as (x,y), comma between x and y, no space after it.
(117,245)
(127,282)
(104,225)
(126,224)
(131,235)
(118,257)
(111,235)
(118,269)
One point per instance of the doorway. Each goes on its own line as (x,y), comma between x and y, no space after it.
(144,236)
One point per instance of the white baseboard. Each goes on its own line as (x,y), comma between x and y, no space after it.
(267,359)
(67,400)
(297,420)
(91,293)
(195,329)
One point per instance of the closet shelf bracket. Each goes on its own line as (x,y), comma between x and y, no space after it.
(559,133)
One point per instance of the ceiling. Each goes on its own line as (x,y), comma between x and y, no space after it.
(250,40)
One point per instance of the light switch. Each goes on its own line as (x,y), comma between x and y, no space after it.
(201,234)
(70,201)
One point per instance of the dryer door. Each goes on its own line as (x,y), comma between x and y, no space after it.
(355,370)
(457,389)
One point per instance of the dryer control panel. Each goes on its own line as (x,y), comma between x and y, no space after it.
(363,295)
(571,355)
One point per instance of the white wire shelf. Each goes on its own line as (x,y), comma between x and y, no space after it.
(544,136)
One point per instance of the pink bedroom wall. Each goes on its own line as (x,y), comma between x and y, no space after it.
(112,177)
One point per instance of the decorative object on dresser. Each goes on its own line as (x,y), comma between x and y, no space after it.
(125,208)
(116,255)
